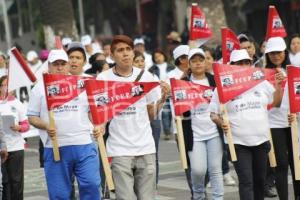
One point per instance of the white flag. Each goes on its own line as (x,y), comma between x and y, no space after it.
(19,73)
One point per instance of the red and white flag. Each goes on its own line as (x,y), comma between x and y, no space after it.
(109,98)
(19,73)
(199,29)
(60,89)
(293,80)
(275,26)
(233,80)
(230,42)
(187,95)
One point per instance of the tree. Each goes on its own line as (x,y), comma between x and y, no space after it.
(57,19)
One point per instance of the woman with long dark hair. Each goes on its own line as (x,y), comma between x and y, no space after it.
(277,57)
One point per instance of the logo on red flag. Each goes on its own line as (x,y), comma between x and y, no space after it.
(60,89)
(233,80)
(109,98)
(199,28)
(275,26)
(188,95)
(294,88)
(230,42)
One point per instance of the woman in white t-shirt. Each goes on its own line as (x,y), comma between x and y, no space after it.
(248,117)
(13,168)
(277,57)
(294,46)
(202,137)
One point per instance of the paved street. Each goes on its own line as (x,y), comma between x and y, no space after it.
(172,184)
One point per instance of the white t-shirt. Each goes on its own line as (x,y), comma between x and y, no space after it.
(248,114)
(295,59)
(71,119)
(15,108)
(162,71)
(130,133)
(177,74)
(202,125)
(148,60)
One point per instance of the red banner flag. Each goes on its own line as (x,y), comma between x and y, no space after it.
(294,88)
(187,95)
(110,98)
(230,42)
(199,28)
(275,26)
(60,89)
(233,80)
(19,73)
(58,43)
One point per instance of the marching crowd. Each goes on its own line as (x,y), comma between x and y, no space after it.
(132,137)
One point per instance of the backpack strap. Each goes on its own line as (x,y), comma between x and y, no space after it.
(139,76)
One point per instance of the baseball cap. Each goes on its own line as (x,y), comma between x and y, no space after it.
(57,54)
(66,40)
(196,51)
(275,44)
(31,55)
(180,51)
(86,40)
(237,55)
(138,41)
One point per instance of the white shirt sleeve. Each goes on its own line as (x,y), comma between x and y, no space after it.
(285,99)
(269,90)
(155,94)
(214,105)
(35,100)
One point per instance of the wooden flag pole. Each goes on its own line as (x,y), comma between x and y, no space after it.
(228,134)
(54,139)
(271,154)
(295,144)
(181,144)
(105,163)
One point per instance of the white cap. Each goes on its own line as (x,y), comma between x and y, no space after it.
(180,51)
(31,55)
(86,40)
(275,44)
(195,51)
(138,41)
(66,40)
(57,54)
(237,55)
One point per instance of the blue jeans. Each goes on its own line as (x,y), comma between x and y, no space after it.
(156,129)
(207,155)
(80,160)
(166,117)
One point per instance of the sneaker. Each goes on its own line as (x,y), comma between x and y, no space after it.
(228,180)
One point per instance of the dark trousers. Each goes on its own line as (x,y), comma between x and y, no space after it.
(156,129)
(251,170)
(13,176)
(284,156)
(166,117)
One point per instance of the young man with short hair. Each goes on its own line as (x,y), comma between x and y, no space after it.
(130,142)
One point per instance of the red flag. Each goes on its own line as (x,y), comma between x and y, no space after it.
(110,98)
(199,28)
(19,73)
(233,80)
(188,95)
(230,42)
(275,27)
(60,89)
(58,43)
(294,88)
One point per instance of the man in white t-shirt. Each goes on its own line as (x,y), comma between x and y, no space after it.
(78,154)
(130,142)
